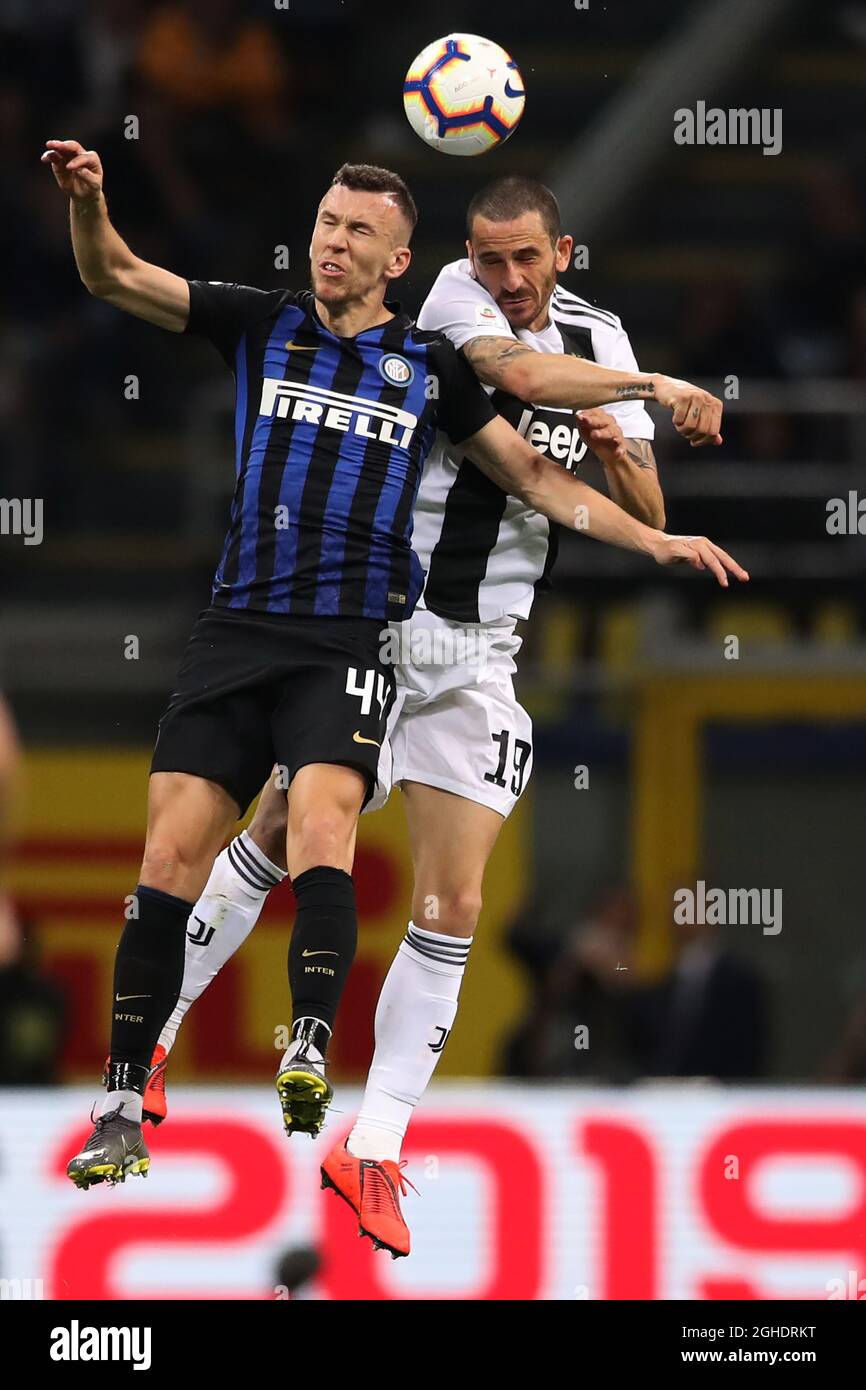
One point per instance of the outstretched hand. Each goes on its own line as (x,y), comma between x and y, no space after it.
(78,171)
(701,554)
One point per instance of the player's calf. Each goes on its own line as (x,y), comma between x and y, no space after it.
(320,957)
(267,829)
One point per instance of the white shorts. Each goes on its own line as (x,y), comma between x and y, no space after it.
(456,722)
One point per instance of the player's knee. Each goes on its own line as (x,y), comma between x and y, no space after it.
(321,836)
(455,912)
(168,861)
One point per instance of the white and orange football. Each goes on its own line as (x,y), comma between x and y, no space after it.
(463,95)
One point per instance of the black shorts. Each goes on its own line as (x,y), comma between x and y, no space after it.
(258,689)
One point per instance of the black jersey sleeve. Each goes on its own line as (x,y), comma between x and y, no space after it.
(464,407)
(223,312)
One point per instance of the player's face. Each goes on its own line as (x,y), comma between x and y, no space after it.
(517,264)
(358,246)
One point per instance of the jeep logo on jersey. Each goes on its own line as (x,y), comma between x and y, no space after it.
(396,369)
(349,414)
(543,430)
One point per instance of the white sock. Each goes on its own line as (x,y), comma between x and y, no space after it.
(296,1044)
(221,920)
(132,1102)
(414,1016)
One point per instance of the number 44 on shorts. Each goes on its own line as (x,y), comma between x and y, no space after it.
(373,680)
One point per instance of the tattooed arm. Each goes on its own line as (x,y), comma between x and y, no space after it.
(629,466)
(547,487)
(549,378)
(558,379)
(635,485)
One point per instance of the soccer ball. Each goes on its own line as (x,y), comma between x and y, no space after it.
(463,95)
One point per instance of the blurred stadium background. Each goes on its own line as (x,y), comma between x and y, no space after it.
(747,773)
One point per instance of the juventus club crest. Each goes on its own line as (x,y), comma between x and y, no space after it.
(203,934)
(441,1040)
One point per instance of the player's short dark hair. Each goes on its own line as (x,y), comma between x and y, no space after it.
(512,195)
(369,178)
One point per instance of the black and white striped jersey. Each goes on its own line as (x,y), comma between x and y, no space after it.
(484,553)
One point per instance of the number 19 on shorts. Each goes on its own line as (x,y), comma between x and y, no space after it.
(518,761)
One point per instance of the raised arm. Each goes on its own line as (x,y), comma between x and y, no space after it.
(629,466)
(517,468)
(108,268)
(559,379)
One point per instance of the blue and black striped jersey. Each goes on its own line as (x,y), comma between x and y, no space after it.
(331,435)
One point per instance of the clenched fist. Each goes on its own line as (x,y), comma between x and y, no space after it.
(697,415)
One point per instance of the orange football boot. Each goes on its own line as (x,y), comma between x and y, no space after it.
(372,1189)
(154,1104)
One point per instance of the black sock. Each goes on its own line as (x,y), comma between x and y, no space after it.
(312,1031)
(148,974)
(323,945)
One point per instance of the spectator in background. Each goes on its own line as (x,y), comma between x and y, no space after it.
(578,1022)
(107,40)
(721,330)
(215,95)
(856,318)
(847,1061)
(706,1017)
(813,306)
(32,1009)
(208,55)
(10,758)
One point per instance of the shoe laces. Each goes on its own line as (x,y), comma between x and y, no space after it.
(100,1121)
(303,1055)
(156,1079)
(379,1187)
(403,1180)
